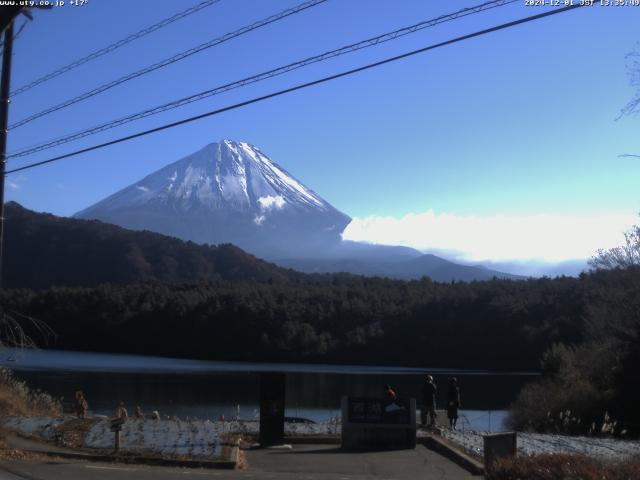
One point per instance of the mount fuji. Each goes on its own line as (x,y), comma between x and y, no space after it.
(231,192)
(227,192)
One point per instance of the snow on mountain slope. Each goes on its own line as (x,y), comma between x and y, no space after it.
(220,175)
(226,192)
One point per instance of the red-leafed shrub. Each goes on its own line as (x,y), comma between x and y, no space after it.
(565,467)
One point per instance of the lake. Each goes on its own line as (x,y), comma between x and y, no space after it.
(204,389)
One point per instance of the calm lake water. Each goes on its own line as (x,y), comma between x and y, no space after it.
(200,389)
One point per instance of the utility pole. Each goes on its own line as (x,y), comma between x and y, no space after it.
(4,122)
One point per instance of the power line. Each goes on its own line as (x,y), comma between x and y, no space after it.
(114,46)
(168,61)
(24,24)
(300,86)
(15,36)
(263,76)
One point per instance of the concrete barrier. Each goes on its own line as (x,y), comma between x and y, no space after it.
(499,445)
(453,452)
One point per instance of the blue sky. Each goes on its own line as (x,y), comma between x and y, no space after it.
(517,125)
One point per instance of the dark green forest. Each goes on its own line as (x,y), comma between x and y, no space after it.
(497,324)
(582,333)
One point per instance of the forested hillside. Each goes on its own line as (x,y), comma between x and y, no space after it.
(43,250)
(495,324)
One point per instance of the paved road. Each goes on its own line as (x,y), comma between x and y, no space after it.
(303,462)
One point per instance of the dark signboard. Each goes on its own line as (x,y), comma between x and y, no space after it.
(379,411)
(116,424)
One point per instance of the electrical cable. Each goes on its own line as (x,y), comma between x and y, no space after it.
(300,86)
(261,76)
(168,61)
(114,46)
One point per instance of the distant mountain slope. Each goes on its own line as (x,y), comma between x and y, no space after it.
(442,270)
(43,250)
(227,192)
(406,268)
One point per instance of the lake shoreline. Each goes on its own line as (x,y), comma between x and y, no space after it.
(203,389)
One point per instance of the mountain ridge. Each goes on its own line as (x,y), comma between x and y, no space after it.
(226,192)
(43,250)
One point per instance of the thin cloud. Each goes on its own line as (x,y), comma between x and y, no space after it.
(547,238)
(16,183)
(267,204)
(271,202)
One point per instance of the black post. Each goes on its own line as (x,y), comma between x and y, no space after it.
(272,399)
(4,122)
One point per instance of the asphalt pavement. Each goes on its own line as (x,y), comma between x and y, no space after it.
(302,462)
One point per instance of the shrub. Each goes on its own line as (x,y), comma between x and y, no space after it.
(573,396)
(564,467)
(16,398)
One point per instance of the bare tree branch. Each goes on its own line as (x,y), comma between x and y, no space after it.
(624,256)
(633,70)
(14,327)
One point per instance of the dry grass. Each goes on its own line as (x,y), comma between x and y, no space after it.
(565,467)
(16,398)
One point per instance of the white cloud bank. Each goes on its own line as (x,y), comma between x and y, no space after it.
(548,238)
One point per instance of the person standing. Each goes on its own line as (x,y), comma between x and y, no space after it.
(81,405)
(453,402)
(121,412)
(429,392)
(391,393)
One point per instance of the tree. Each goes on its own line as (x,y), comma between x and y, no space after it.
(18,330)
(633,106)
(624,256)
(633,69)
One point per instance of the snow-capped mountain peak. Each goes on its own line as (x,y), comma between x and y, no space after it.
(221,175)
(228,185)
